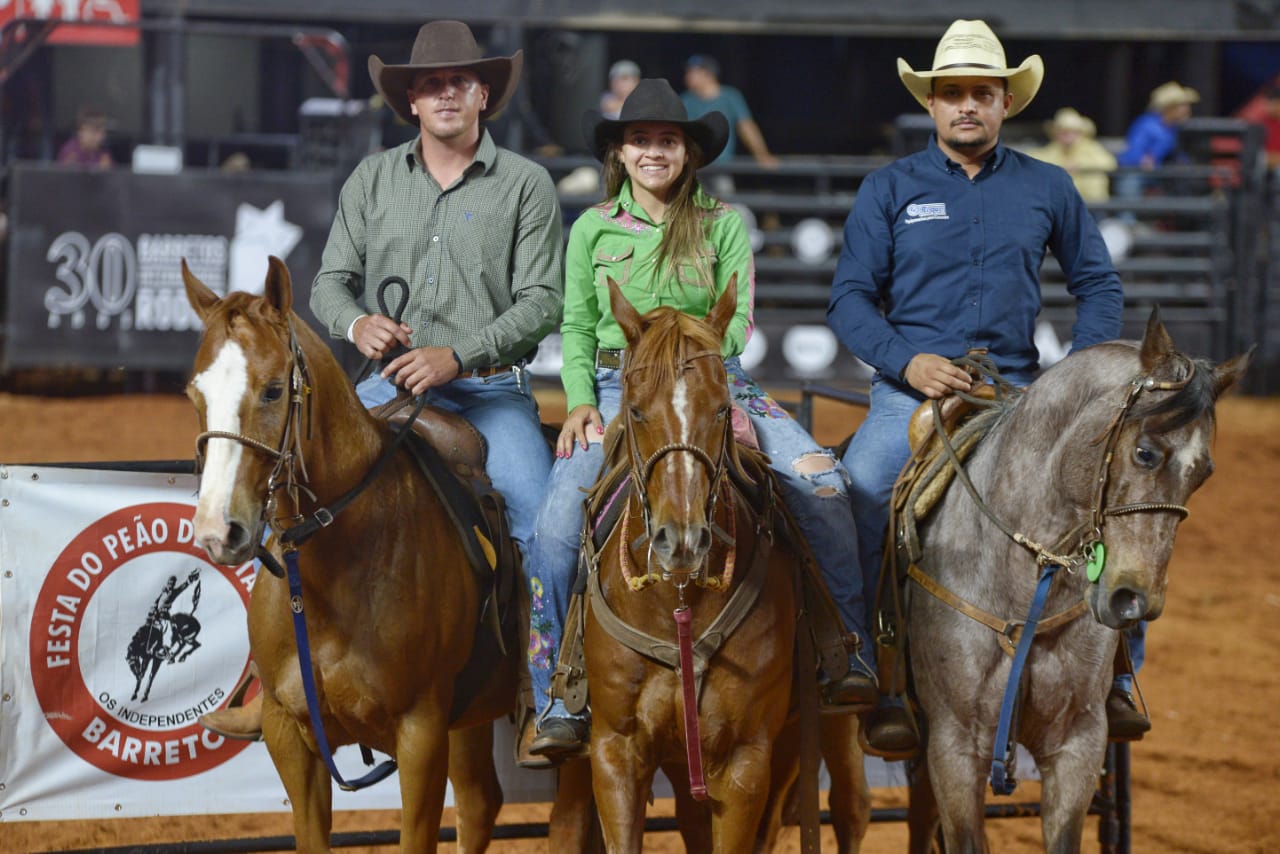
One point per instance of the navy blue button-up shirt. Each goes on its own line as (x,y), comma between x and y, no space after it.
(936,262)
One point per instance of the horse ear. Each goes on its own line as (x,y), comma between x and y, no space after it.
(279,287)
(1156,343)
(201,296)
(624,312)
(1231,371)
(721,314)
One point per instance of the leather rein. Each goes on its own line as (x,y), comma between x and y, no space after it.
(1089,550)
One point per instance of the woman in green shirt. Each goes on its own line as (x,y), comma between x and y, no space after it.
(666,242)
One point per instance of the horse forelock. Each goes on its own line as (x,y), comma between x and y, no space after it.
(1165,412)
(660,356)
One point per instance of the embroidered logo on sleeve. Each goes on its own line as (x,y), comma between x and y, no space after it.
(930,210)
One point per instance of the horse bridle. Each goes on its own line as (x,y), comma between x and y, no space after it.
(1091,552)
(642,467)
(290,470)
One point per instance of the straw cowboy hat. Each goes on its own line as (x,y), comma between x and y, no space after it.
(655,101)
(1068,119)
(1172,94)
(447,44)
(970,49)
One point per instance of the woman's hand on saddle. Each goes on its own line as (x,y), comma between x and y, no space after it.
(422,368)
(934,376)
(585,419)
(375,335)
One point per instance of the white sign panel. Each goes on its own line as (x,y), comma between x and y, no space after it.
(116,634)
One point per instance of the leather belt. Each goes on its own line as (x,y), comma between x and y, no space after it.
(611,359)
(489,371)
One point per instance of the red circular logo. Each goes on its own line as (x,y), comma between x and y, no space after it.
(116,644)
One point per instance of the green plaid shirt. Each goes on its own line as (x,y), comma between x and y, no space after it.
(484,258)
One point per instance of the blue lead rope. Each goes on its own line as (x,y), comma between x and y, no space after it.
(1003,783)
(379,773)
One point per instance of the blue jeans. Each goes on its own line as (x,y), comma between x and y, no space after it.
(874,458)
(814,487)
(503,409)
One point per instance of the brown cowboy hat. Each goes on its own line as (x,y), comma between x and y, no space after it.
(446,44)
(971,49)
(653,100)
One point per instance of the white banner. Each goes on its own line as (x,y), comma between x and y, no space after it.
(116,634)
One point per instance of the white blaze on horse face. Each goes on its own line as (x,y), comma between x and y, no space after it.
(1191,453)
(680,406)
(223,385)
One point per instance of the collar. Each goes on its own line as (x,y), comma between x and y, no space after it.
(486,153)
(995,159)
(626,201)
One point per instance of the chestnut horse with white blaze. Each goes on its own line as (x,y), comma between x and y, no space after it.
(694,545)
(392,604)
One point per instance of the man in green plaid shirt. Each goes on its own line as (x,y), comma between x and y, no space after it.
(476,232)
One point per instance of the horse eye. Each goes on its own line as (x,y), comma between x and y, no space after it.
(1146,457)
(636,414)
(272,393)
(722,413)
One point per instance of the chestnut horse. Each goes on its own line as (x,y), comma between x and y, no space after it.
(391,602)
(1091,467)
(690,543)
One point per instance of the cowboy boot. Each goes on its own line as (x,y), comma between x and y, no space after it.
(239,722)
(1125,722)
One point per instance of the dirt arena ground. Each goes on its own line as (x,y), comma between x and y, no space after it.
(1206,779)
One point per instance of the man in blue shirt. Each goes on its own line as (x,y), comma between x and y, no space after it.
(941,254)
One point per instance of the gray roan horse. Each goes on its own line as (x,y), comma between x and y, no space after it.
(1106,446)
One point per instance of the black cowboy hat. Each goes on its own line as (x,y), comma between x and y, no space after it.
(655,101)
(447,44)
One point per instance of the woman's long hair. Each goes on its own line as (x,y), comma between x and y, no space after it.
(685,236)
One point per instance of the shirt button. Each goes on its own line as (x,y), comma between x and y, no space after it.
(973,303)
(435,239)
(976,262)
(975,220)
(431,280)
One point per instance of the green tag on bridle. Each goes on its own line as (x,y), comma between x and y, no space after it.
(1095,557)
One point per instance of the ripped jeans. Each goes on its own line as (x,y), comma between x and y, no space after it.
(814,487)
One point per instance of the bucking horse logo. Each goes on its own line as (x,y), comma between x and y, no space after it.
(165,636)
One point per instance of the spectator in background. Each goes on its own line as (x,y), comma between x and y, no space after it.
(1267,114)
(1073,147)
(623,77)
(704,94)
(1152,139)
(87,146)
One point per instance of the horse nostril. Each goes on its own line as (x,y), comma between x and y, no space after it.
(704,540)
(1129,604)
(237,537)
(662,541)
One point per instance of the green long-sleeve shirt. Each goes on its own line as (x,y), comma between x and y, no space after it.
(617,239)
(483,257)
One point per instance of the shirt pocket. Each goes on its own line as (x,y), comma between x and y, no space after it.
(688,271)
(613,263)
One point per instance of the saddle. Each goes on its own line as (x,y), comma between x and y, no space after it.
(752,484)
(451,454)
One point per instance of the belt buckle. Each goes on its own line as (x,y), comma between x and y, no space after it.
(608,359)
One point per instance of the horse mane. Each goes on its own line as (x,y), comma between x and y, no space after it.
(255,310)
(670,337)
